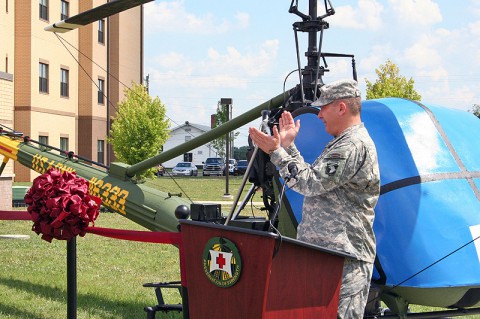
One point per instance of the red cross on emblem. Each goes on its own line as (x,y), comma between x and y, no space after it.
(220,261)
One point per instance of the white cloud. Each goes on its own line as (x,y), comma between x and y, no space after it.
(229,69)
(474,28)
(342,66)
(377,55)
(445,65)
(440,53)
(432,85)
(475,7)
(468,93)
(180,110)
(234,67)
(243,19)
(423,53)
(171,60)
(173,16)
(460,97)
(366,16)
(443,33)
(418,12)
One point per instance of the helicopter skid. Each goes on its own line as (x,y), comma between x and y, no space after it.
(460,299)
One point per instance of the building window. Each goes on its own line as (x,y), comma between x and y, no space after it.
(101,31)
(100,151)
(64,10)
(43,4)
(43,77)
(43,140)
(64,144)
(63,82)
(101,91)
(188,138)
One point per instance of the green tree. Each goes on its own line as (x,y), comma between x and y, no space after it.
(476,110)
(391,84)
(240,153)
(222,116)
(140,127)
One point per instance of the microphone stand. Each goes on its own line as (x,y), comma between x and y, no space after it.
(234,213)
(279,204)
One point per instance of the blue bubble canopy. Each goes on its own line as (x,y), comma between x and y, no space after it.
(427,220)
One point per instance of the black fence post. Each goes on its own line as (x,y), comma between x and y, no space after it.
(72,278)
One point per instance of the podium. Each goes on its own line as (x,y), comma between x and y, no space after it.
(238,273)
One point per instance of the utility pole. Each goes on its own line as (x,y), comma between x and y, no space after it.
(147,82)
(227,106)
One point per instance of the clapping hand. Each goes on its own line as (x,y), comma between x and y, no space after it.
(281,137)
(288,129)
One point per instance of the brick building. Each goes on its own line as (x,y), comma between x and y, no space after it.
(62,89)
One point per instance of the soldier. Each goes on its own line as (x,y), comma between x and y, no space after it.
(340,188)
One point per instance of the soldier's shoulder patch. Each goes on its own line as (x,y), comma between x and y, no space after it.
(334,155)
(331,169)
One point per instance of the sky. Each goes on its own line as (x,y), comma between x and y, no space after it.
(199,51)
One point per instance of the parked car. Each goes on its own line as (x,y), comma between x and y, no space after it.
(160,170)
(231,166)
(241,167)
(214,166)
(185,168)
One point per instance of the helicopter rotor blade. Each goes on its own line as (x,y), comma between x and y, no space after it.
(92,15)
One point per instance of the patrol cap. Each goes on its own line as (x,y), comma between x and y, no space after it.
(341,89)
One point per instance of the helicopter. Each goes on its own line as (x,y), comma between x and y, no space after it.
(426,223)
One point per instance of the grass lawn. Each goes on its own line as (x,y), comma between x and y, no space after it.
(210,189)
(205,188)
(110,272)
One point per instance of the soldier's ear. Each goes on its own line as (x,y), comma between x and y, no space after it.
(342,108)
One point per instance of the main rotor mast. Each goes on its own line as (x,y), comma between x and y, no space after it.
(310,77)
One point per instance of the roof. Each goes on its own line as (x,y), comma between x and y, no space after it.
(203,128)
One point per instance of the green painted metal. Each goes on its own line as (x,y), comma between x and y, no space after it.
(119,192)
(209,136)
(146,206)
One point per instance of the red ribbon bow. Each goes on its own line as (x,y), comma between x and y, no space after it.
(60,205)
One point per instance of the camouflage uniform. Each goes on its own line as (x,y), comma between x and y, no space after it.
(341,189)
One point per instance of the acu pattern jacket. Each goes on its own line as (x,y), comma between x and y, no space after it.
(340,189)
